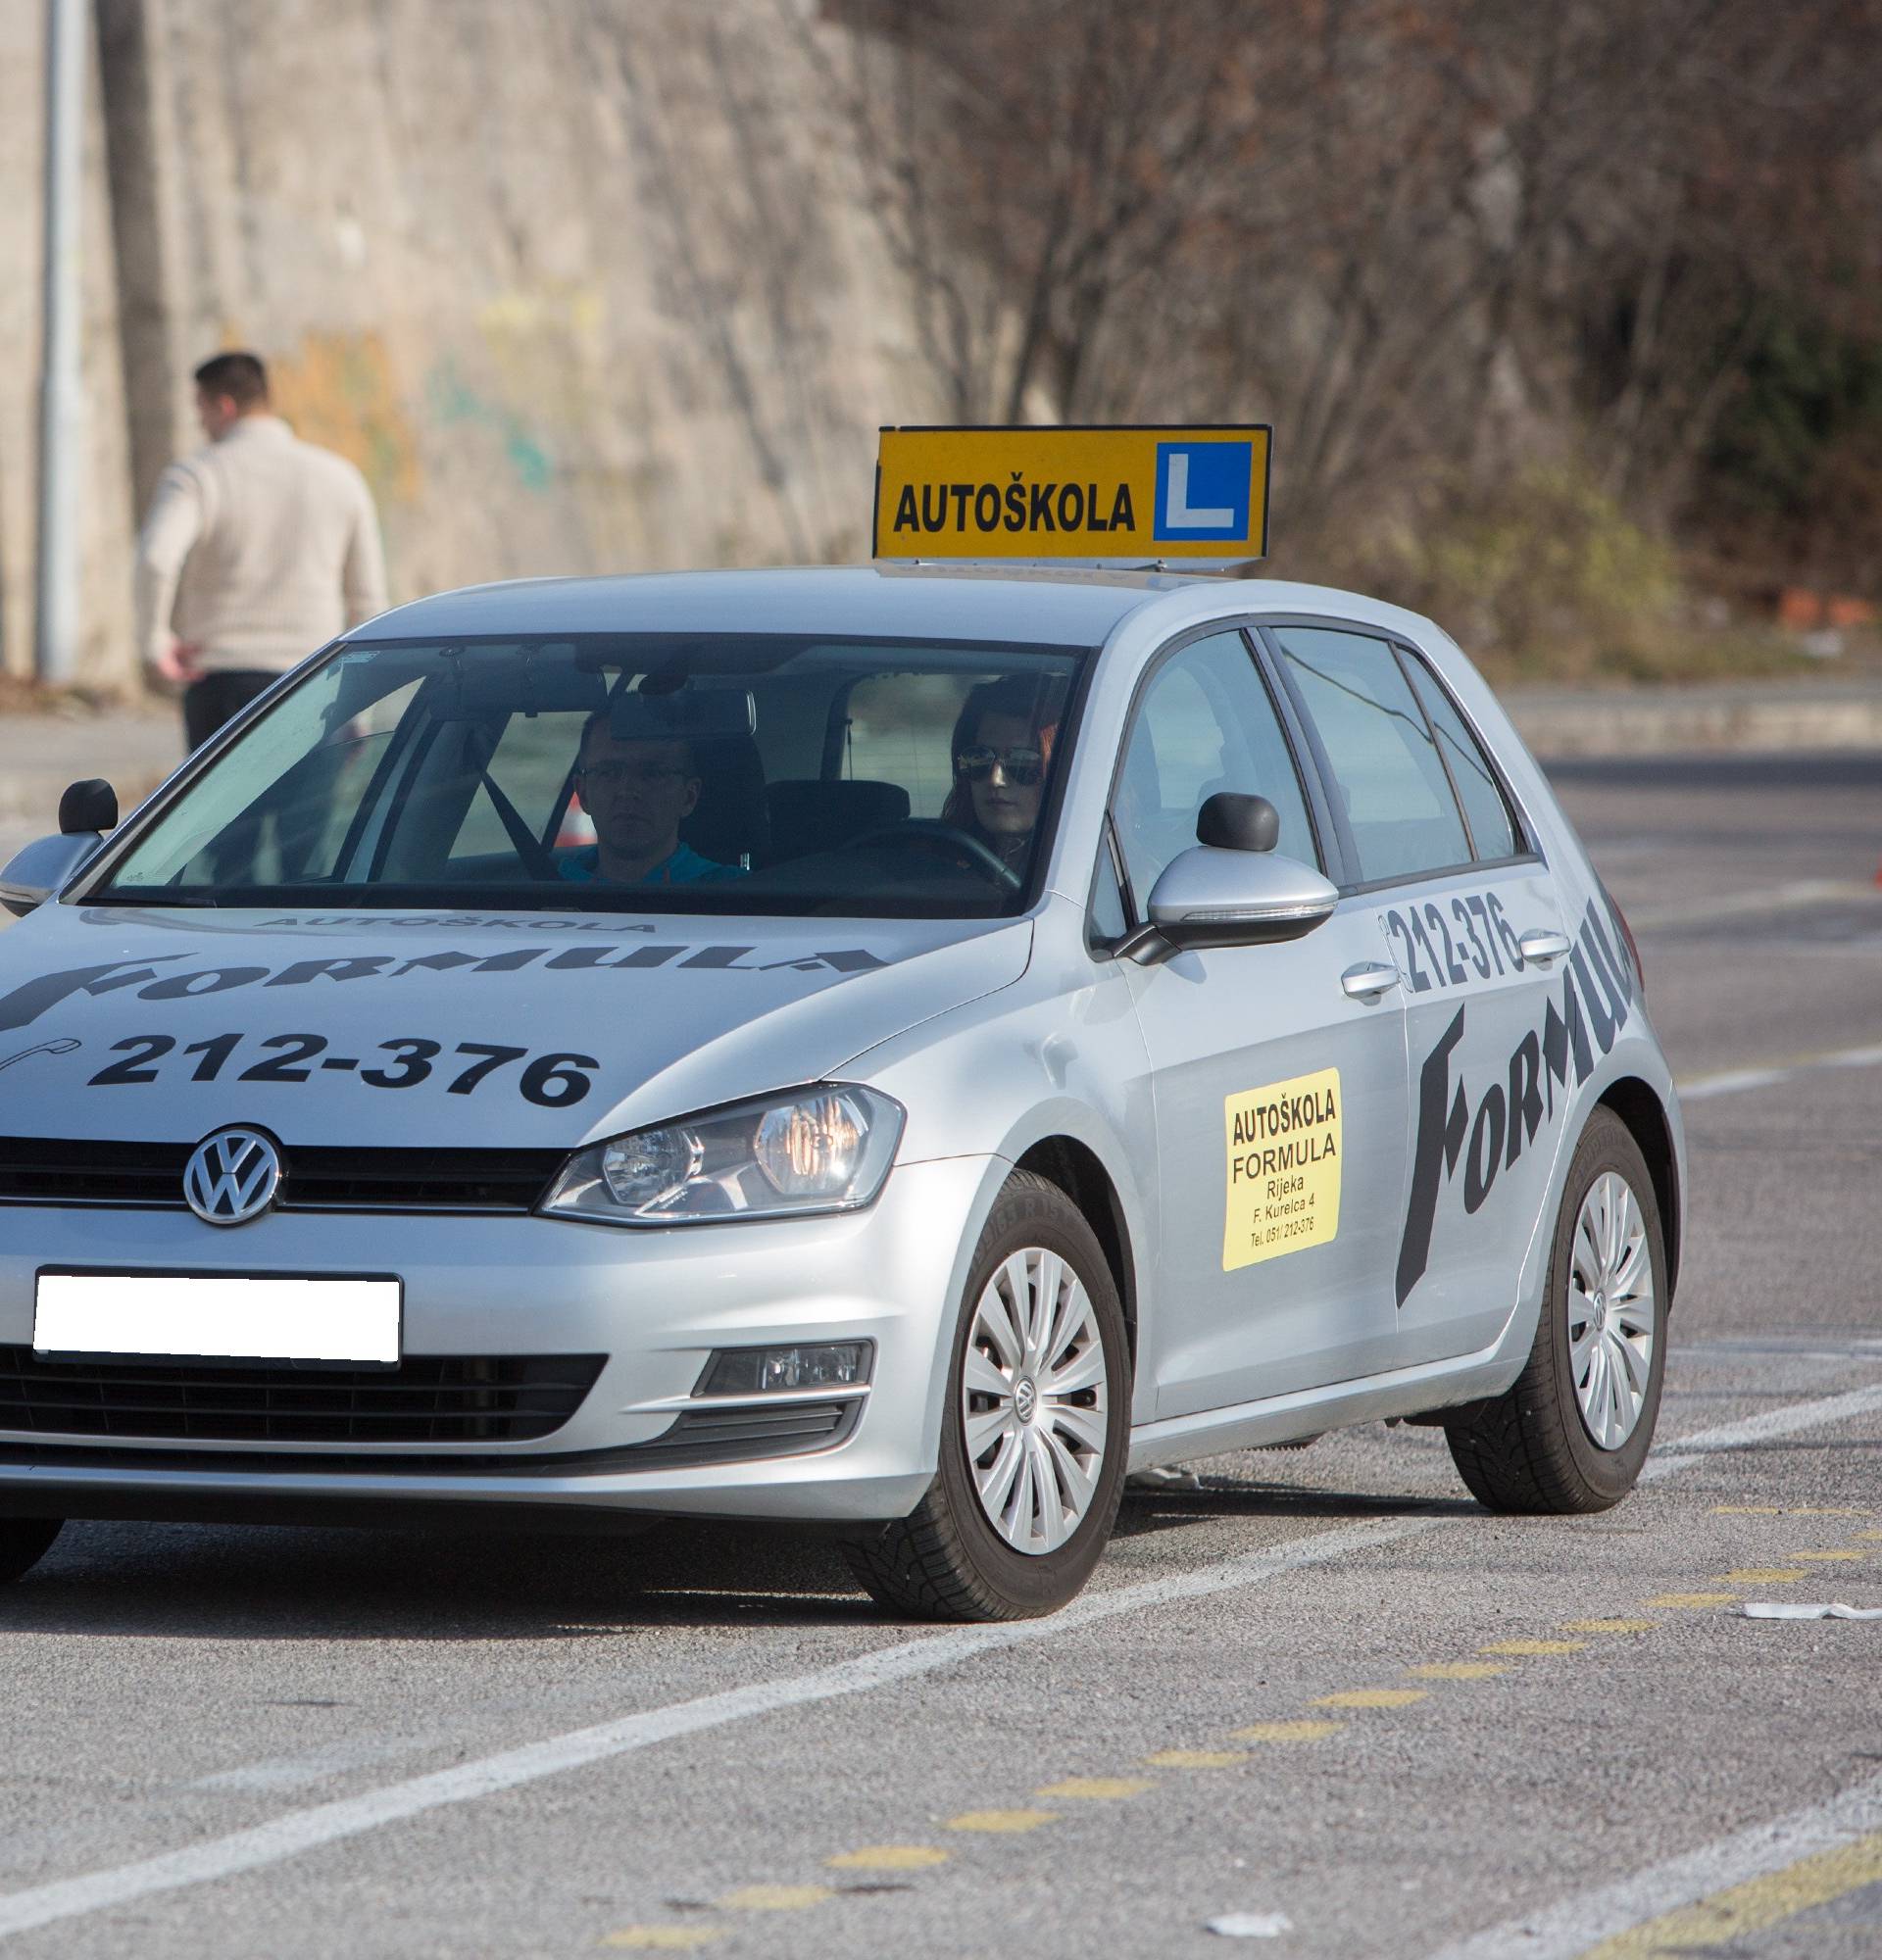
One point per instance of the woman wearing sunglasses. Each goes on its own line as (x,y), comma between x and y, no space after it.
(1002,749)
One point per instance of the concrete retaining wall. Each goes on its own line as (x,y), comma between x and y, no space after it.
(579,287)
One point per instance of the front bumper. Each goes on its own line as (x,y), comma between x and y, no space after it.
(655,1302)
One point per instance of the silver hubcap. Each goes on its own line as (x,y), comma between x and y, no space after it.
(1613,1322)
(1035,1408)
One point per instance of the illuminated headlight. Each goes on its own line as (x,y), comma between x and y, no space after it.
(823,1149)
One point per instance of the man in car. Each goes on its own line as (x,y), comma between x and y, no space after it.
(637,792)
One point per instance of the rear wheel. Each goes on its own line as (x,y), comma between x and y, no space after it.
(24,1543)
(1572,1434)
(1033,1431)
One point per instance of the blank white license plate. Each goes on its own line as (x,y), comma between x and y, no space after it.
(217,1318)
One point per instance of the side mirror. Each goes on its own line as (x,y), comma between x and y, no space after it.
(1210,897)
(89,806)
(45,866)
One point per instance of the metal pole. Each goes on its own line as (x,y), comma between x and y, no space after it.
(62,401)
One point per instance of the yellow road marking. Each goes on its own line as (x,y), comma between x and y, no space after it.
(1828,1557)
(1747,1511)
(1763,1575)
(888,1858)
(1869,1534)
(1695,1599)
(1528,1648)
(1741,1910)
(1458,1670)
(1196,1759)
(1001,1820)
(1370,1698)
(1100,1789)
(665,1938)
(1608,1626)
(1286,1732)
(775,1899)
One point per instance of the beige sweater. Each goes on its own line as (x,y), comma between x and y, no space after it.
(258,549)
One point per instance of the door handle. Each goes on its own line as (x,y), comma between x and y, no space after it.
(1543,944)
(1367,980)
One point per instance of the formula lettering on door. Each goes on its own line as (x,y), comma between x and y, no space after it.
(1282,1176)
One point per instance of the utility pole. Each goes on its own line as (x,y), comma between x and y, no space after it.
(62,399)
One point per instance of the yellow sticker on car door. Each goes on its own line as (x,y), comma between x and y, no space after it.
(1282,1174)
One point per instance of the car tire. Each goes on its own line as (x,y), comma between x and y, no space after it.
(1569,1437)
(952,1558)
(24,1543)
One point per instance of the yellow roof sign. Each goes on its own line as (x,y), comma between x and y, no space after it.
(1111,496)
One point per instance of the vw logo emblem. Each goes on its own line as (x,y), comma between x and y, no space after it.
(1025,1398)
(232,1176)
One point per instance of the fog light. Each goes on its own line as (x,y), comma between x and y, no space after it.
(758,1371)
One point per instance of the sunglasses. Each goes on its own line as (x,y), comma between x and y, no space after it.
(1023,767)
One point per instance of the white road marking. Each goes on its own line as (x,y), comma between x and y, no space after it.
(349,1817)
(1562,1930)
(1680,1453)
(1767,898)
(316,1766)
(1732,1080)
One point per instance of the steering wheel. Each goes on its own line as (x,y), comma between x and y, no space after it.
(930,834)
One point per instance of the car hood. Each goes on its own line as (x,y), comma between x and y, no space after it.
(368,1028)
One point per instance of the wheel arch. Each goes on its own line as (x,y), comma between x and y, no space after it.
(1637,1105)
(1077,1170)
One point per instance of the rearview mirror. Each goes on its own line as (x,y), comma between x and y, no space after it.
(1208,897)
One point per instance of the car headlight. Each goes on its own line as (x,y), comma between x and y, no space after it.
(827,1148)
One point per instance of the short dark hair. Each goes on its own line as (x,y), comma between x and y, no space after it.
(600,720)
(239,375)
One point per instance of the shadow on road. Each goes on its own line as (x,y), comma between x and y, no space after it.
(1147,1510)
(306,1583)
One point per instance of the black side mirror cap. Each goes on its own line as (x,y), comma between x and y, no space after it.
(89,806)
(1228,821)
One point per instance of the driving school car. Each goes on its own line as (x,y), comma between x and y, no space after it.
(1122,1017)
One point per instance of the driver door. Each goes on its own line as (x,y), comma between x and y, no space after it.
(1281,1100)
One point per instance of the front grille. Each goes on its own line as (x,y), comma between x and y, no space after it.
(450,1398)
(316,1177)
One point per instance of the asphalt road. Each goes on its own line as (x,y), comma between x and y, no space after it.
(1322,1696)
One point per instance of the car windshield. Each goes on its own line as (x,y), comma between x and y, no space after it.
(695,773)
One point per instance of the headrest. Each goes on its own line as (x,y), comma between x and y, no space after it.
(731,821)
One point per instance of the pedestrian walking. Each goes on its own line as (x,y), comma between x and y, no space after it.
(257,550)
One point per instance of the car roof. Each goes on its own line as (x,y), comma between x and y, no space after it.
(1058,604)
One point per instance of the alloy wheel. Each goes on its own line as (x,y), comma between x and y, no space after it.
(1034,1400)
(1612,1318)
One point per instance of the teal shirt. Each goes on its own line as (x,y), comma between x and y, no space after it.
(686,867)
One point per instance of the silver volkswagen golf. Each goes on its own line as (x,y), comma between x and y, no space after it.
(897,1049)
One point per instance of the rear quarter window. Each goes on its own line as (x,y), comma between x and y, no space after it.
(1387,773)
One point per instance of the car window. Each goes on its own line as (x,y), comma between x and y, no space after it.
(1493,831)
(1386,771)
(704,773)
(1204,723)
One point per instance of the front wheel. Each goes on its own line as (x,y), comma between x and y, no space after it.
(1572,1434)
(1033,1430)
(24,1543)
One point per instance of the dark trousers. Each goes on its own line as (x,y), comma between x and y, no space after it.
(209,702)
(235,855)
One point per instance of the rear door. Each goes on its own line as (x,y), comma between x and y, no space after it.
(1280,1097)
(1467,914)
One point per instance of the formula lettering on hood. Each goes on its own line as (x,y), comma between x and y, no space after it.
(158,978)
